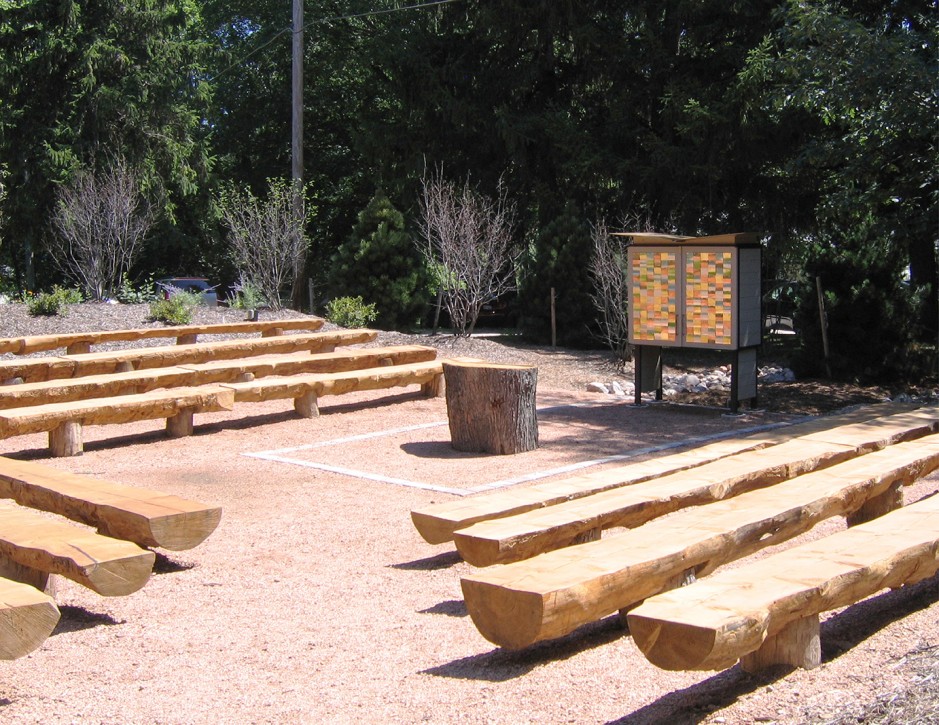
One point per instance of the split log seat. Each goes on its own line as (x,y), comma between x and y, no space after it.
(143,516)
(64,421)
(217,371)
(437,522)
(307,389)
(37,545)
(548,596)
(27,618)
(527,534)
(766,612)
(103,363)
(81,342)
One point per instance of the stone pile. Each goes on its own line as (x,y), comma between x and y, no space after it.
(717,380)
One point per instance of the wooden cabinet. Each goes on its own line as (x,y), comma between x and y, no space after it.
(696,292)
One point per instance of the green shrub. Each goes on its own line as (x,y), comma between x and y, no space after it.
(350,312)
(177,310)
(128,294)
(247,297)
(53,303)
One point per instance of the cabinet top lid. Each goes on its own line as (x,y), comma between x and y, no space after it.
(736,239)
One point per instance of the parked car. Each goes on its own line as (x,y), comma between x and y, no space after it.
(196,285)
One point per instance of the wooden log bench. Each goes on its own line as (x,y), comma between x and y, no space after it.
(437,522)
(548,596)
(81,342)
(527,534)
(103,363)
(218,371)
(33,546)
(306,390)
(27,618)
(64,421)
(766,612)
(143,516)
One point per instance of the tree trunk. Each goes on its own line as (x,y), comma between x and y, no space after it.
(491,408)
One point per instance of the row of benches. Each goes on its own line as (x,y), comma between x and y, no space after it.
(554,573)
(113,561)
(81,342)
(175,382)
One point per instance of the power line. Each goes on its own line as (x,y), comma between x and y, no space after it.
(289,28)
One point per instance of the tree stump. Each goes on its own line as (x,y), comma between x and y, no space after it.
(491,408)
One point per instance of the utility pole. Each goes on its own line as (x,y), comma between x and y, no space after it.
(296,140)
(296,166)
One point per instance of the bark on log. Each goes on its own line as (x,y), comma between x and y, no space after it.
(491,408)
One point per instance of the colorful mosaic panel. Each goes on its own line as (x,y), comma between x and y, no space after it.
(709,298)
(654,296)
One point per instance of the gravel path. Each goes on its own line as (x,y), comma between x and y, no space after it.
(317,601)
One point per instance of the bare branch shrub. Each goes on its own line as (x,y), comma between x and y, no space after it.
(267,237)
(467,241)
(611,294)
(101,221)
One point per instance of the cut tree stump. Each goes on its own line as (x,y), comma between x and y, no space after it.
(491,408)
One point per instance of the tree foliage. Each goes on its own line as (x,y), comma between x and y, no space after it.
(380,263)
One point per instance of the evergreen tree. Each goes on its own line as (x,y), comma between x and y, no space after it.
(560,261)
(380,263)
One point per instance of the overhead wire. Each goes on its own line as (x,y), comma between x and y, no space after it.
(352,16)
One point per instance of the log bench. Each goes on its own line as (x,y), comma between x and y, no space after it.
(33,546)
(437,523)
(548,596)
(103,363)
(81,342)
(766,612)
(527,534)
(27,618)
(306,390)
(217,371)
(143,516)
(64,421)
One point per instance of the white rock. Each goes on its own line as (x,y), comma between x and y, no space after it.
(617,388)
(597,388)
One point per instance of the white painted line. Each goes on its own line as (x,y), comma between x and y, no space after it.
(276,457)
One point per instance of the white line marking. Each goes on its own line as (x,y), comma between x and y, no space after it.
(277,457)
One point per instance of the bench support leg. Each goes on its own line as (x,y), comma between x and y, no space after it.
(435,388)
(41,580)
(78,348)
(688,576)
(273,332)
(797,644)
(180,425)
(586,536)
(125,367)
(888,501)
(306,405)
(66,439)
(187,339)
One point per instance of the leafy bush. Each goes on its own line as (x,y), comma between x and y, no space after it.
(128,294)
(380,262)
(53,303)
(177,310)
(247,297)
(350,312)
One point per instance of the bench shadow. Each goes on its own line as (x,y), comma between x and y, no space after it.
(839,634)
(449,608)
(76,619)
(501,665)
(166,565)
(443,560)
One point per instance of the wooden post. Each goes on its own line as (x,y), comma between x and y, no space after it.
(78,348)
(66,439)
(797,644)
(889,500)
(823,319)
(273,332)
(554,331)
(180,425)
(306,405)
(189,339)
(435,388)
(491,408)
